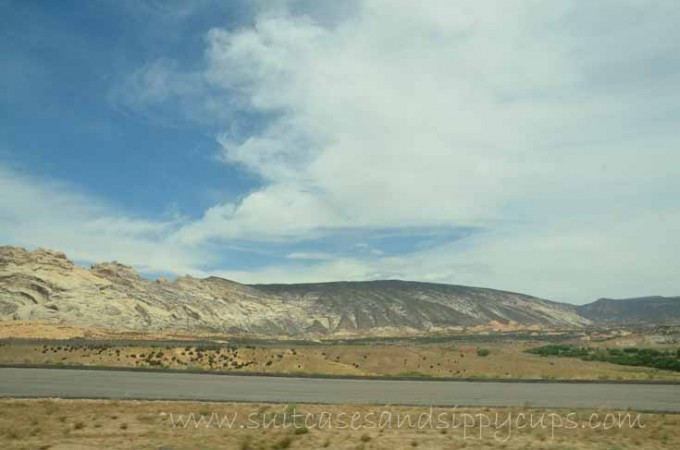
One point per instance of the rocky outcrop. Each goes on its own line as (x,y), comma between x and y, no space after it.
(45,285)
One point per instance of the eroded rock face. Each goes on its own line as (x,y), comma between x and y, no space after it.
(42,285)
(47,258)
(116,272)
(38,279)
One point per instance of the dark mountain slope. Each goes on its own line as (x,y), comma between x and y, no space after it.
(395,303)
(633,310)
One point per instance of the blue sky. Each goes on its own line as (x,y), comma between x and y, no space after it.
(62,62)
(525,147)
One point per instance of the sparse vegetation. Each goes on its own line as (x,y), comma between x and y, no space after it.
(414,375)
(301,430)
(148,425)
(282,443)
(462,360)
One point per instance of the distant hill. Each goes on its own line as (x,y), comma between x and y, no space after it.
(366,305)
(657,310)
(46,285)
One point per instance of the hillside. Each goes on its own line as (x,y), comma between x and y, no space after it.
(45,285)
(362,306)
(655,310)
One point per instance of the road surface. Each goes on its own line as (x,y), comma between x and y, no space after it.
(76,383)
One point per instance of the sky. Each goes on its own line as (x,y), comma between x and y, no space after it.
(521,145)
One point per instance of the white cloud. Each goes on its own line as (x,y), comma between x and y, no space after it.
(37,212)
(318,256)
(163,93)
(544,123)
(428,116)
(573,261)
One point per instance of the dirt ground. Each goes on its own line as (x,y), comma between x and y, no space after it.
(504,360)
(100,424)
(34,329)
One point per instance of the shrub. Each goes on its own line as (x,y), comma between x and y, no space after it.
(664,360)
(283,443)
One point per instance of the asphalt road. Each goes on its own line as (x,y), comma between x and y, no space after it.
(75,383)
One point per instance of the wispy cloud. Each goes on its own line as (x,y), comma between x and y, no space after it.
(41,212)
(313,256)
(575,261)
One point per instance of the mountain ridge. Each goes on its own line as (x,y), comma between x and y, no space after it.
(46,285)
(649,309)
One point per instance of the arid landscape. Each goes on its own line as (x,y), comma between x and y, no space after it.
(44,285)
(470,359)
(130,425)
(441,225)
(59,315)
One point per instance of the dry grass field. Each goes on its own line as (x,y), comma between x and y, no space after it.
(100,424)
(465,360)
